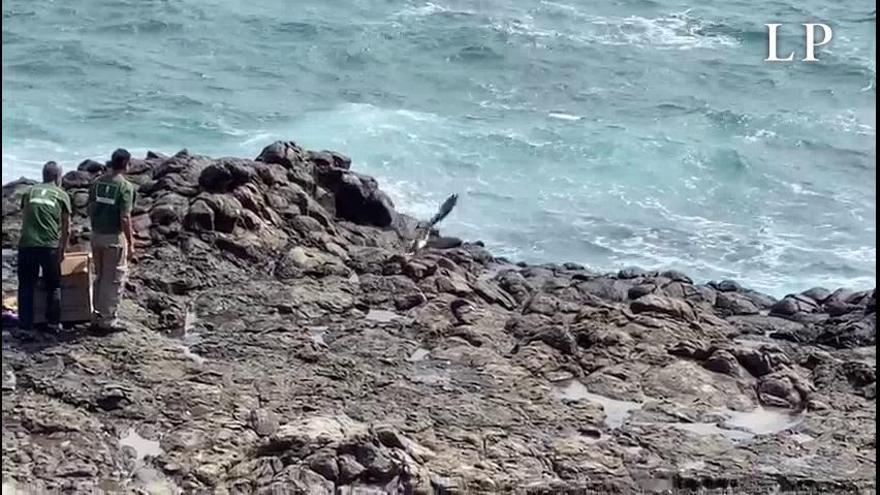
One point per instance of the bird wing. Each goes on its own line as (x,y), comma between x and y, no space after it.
(444,210)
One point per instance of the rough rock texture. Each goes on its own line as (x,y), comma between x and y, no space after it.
(282,341)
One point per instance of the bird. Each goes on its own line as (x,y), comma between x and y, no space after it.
(423,229)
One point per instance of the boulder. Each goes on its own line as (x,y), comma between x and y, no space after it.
(675,308)
(818,294)
(676,276)
(735,303)
(91,167)
(226,174)
(329,159)
(726,286)
(791,305)
(76,179)
(722,361)
(284,153)
(200,216)
(227,210)
(358,198)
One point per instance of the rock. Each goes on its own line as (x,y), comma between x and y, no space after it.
(735,303)
(329,159)
(663,305)
(215,178)
(349,468)
(300,262)
(849,334)
(792,305)
(754,361)
(839,296)
(313,432)
(263,422)
(249,366)
(169,209)
(818,294)
(631,272)
(155,155)
(200,217)
(91,166)
(726,286)
(690,349)
(271,173)
(227,210)
(638,291)
(404,302)
(463,312)
(284,153)
(762,301)
(676,276)
(358,198)
(722,361)
(778,390)
(607,289)
(859,374)
(324,463)
(76,179)
(226,174)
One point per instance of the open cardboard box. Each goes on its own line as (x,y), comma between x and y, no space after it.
(76,290)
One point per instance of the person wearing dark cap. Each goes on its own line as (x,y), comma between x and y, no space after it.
(111,198)
(45,230)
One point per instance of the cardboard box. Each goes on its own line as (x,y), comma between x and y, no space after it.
(76,290)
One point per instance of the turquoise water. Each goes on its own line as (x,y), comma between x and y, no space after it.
(607,133)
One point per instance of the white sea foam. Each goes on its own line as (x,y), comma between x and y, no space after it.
(674,31)
(564,116)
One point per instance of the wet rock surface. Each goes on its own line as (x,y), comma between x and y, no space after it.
(281,340)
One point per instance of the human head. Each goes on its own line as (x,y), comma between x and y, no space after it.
(51,173)
(119,160)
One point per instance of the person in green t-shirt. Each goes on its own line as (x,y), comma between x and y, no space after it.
(45,229)
(111,198)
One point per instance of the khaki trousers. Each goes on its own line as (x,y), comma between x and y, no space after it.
(111,268)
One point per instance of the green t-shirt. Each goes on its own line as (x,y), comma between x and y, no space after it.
(43,206)
(110,198)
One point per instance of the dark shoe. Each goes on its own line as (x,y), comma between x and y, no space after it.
(54,328)
(106,329)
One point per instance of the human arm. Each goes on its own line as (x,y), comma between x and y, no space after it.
(64,240)
(129,237)
(125,221)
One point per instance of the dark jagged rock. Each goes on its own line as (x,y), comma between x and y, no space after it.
(76,179)
(91,167)
(280,339)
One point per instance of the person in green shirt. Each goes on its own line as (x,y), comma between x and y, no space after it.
(111,198)
(45,230)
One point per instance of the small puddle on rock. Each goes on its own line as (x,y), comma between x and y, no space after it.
(867,355)
(693,465)
(190,337)
(418,355)
(141,445)
(713,429)
(616,411)
(317,335)
(763,421)
(741,426)
(802,438)
(381,315)
(190,340)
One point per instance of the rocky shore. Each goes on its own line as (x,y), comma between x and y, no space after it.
(282,340)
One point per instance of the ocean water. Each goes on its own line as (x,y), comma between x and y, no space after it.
(610,133)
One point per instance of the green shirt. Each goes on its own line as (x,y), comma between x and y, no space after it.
(43,206)
(110,198)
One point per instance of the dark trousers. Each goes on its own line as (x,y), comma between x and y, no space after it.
(31,260)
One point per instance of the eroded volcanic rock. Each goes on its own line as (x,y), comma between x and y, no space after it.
(282,341)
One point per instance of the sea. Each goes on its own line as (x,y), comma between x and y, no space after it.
(609,133)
